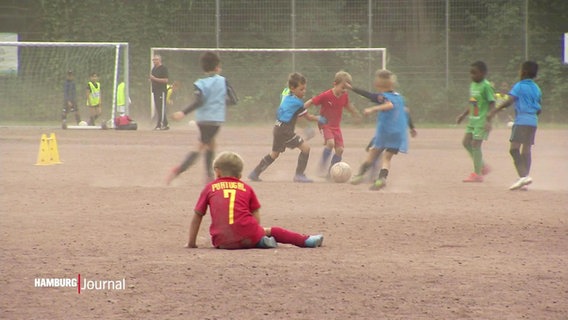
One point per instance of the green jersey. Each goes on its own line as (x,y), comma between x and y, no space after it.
(481,95)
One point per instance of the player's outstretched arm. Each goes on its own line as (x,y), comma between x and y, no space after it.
(510,100)
(462,116)
(197,102)
(194,229)
(381,107)
(411,127)
(232,98)
(354,112)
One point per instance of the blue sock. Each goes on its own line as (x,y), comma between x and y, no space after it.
(335,159)
(325,156)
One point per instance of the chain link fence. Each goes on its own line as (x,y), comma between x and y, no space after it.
(430,42)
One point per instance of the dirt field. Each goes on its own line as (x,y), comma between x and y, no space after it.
(426,247)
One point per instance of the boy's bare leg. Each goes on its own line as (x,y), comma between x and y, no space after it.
(372,156)
(521,154)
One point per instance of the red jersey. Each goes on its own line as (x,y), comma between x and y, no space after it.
(231,203)
(331,106)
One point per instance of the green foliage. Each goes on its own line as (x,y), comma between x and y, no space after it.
(413,32)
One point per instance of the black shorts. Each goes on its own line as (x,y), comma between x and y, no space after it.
(523,134)
(285,137)
(207,132)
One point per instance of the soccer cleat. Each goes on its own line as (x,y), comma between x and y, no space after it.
(165,128)
(378,184)
(522,182)
(267,243)
(253,176)
(157,128)
(473,177)
(485,170)
(314,241)
(301,178)
(357,179)
(172,175)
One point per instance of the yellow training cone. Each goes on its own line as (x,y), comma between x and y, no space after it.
(48,152)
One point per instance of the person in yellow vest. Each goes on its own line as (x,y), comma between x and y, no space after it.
(171,90)
(94,98)
(121,99)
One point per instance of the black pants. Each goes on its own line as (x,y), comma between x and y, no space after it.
(160,107)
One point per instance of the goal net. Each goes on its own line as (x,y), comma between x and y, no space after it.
(33,74)
(259,75)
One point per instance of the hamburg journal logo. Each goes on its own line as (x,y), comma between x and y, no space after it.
(81,284)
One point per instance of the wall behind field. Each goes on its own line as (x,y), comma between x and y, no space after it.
(431,42)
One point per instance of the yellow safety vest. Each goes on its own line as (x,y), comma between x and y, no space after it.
(95,95)
(169,92)
(120,95)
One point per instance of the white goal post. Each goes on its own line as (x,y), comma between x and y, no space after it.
(259,74)
(33,76)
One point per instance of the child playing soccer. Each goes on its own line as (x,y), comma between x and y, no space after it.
(290,109)
(235,217)
(308,131)
(211,95)
(482,101)
(332,103)
(526,96)
(94,98)
(390,135)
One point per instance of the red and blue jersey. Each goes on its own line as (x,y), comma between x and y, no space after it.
(231,203)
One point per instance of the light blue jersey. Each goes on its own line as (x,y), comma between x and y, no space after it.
(214,92)
(392,125)
(527,102)
(290,109)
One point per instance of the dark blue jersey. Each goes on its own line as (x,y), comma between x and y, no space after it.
(70,92)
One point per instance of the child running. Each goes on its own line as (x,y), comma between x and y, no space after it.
(390,135)
(482,101)
(526,96)
(290,109)
(235,216)
(211,95)
(332,103)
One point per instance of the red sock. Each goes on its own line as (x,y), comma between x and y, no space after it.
(286,236)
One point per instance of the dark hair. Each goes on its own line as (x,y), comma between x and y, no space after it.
(209,61)
(93,74)
(529,69)
(295,79)
(479,65)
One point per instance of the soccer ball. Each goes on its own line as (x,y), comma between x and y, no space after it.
(83,123)
(340,172)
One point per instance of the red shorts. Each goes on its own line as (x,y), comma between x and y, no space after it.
(333,133)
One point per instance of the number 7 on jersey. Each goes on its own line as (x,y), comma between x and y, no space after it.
(230,194)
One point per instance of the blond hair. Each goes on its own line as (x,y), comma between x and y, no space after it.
(342,77)
(229,163)
(385,78)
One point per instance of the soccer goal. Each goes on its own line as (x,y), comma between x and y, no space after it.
(32,77)
(259,75)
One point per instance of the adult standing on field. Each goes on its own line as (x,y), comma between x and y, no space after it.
(159,79)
